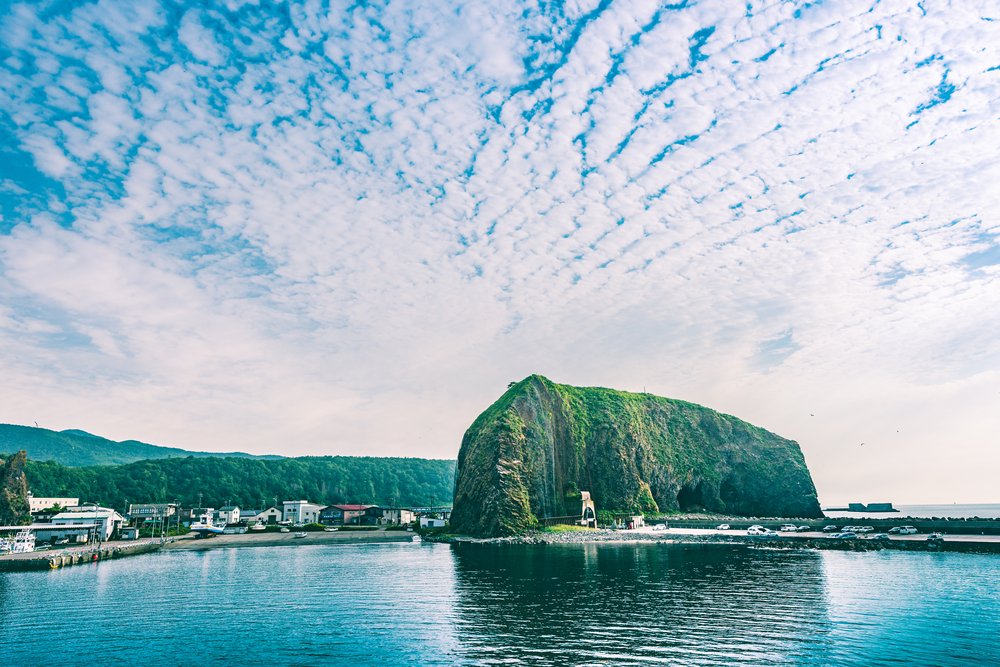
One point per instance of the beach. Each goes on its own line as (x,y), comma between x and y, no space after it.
(270,539)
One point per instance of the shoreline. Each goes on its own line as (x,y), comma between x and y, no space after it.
(953,543)
(250,540)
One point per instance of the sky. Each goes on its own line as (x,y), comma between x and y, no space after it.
(332,228)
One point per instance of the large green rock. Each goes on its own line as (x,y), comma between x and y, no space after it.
(541,442)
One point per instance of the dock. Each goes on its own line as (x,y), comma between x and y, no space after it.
(55,559)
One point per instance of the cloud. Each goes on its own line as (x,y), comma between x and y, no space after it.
(346,229)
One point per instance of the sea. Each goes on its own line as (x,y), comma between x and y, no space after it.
(951,511)
(484,604)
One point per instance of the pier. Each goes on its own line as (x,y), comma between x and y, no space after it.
(55,559)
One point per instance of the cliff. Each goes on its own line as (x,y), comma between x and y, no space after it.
(541,443)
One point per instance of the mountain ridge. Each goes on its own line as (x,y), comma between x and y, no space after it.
(76,447)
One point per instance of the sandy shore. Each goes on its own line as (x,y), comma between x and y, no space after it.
(289,539)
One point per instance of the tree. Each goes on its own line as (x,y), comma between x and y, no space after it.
(13,490)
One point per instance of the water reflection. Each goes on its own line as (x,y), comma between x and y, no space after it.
(629,604)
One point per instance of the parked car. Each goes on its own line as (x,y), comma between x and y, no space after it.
(864,529)
(879,536)
(802,529)
(846,536)
(722,526)
(756,530)
(894,530)
(829,529)
(908,530)
(770,533)
(788,528)
(849,529)
(935,537)
(660,526)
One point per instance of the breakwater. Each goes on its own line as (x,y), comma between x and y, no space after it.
(784,541)
(53,560)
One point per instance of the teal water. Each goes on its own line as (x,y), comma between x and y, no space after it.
(432,604)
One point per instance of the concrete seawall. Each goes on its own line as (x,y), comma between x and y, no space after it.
(53,560)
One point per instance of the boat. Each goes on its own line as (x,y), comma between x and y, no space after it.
(258,526)
(300,535)
(24,542)
(207,529)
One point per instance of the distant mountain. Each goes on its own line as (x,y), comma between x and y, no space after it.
(74,447)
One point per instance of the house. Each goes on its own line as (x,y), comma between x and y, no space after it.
(36,505)
(300,511)
(228,514)
(432,522)
(387,516)
(107,521)
(270,515)
(151,511)
(342,515)
(130,533)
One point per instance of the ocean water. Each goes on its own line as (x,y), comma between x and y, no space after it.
(953,511)
(433,604)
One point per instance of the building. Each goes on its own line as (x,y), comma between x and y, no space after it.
(196,515)
(76,533)
(300,511)
(431,522)
(271,515)
(387,516)
(107,520)
(130,533)
(151,512)
(228,515)
(342,515)
(36,505)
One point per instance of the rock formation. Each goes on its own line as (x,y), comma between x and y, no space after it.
(531,453)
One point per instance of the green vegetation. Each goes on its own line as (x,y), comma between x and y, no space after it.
(527,454)
(564,528)
(79,448)
(13,490)
(216,482)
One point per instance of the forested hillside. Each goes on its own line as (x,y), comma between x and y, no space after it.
(79,448)
(251,482)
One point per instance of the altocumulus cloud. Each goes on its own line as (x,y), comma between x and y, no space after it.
(309,229)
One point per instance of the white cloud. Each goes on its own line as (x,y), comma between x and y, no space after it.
(346,230)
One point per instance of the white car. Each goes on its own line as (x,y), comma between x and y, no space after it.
(722,526)
(788,528)
(908,530)
(757,530)
(660,526)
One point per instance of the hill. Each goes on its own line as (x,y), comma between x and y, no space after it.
(254,483)
(74,447)
(531,452)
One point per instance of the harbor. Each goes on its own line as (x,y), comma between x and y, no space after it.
(55,559)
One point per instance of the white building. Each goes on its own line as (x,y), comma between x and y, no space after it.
(229,514)
(300,511)
(431,522)
(270,515)
(39,504)
(108,521)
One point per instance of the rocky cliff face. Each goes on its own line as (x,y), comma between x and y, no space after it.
(541,442)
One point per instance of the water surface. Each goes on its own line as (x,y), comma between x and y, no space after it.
(412,604)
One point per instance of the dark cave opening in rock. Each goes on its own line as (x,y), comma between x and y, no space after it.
(691,498)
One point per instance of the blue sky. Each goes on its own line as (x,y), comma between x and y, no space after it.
(308,228)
